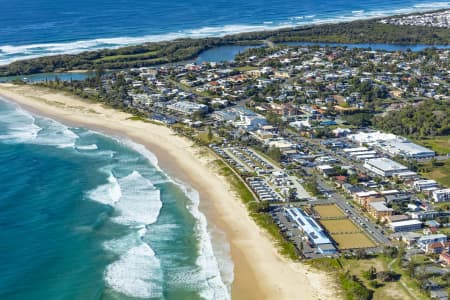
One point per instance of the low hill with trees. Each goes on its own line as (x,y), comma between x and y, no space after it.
(426,119)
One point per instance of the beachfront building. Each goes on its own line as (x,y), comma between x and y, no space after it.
(187,108)
(442,195)
(384,166)
(223,116)
(250,122)
(315,233)
(408,225)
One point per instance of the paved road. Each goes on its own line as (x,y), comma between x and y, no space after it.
(237,159)
(355,214)
(301,192)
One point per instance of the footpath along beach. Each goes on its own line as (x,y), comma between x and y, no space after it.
(259,272)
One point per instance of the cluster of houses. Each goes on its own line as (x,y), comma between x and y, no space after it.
(433,19)
(299,84)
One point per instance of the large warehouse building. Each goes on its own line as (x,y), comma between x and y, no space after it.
(392,144)
(384,166)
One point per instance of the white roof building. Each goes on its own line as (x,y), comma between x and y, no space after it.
(186,107)
(432,238)
(407,149)
(316,234)
(357,149)
(425,184)
(408,225)
(392,144)
(281,144)
(442,195)
(384,166)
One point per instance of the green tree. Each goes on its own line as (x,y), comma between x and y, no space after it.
(371,273)
(210,134)
(274,153)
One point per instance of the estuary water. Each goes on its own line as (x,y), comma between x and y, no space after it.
(30,28)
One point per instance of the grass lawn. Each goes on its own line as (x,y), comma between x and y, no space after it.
(245,68)
(203,137)
(340,226)
(388,291)
(440,144)
(267,157)
(329,211)
(445,230)
(352,240)
(150,54)
(440,173)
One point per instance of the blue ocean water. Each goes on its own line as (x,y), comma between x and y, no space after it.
(87,216)
(30,28)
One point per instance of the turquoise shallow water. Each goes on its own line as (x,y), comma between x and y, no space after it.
(87,216)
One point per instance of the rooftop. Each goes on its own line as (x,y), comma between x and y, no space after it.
(380,206)
(385,164)
(308,225)
(405,223)
(406,147)
(367,193)
(432,237)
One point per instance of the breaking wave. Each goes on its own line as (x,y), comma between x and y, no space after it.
(22,127)
(9,53)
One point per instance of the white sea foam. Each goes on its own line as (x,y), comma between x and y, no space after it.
(433,5)
(134,197)
(19,124)
(141,149)
(218,286)
(121,245)
(137,273)
(55,134)
(108,193)
(87,147)
(215,277)
(22,127)
(9,53)
(140,202)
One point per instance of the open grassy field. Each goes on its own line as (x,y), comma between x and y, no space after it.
(203,137)
(346,234)
(440,144)
(352,240)
(440,172)
(340,226)
(329,211)
(389,291)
